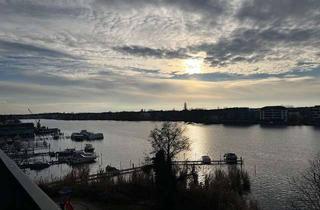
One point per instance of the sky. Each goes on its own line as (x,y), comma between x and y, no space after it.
(113,55)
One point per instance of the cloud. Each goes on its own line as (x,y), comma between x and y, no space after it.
(221,76)
(11,49)
(147,71)
(212,7)
(150,52)
(278,10)
(125,53)
(44,8)
(254,45)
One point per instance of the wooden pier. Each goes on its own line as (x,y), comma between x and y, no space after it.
(212,162)
(116,172)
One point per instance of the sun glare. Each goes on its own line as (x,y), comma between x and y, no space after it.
(193,66)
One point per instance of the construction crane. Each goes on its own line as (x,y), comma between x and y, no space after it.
(35,121)
(30,111)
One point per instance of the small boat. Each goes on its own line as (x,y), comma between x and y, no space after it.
(230,158)
(85,135)
(81,157)
(89,148)
(64,159)
(52,154)
(38,165)
(112,170)
(77,137)
(206,160)
(66,152)
(55,136)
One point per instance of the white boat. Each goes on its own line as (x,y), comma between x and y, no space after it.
(85,135)
(81,157)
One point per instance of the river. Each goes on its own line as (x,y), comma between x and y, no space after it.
(272,155)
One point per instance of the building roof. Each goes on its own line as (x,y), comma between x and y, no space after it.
(273,107)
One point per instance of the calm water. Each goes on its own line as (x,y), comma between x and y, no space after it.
(272,155)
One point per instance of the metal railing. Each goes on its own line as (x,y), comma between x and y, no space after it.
(18,191)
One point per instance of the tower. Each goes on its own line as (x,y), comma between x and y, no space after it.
(185,106)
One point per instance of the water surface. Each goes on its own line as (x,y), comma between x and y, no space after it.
(272,155)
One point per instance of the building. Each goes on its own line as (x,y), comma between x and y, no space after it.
(274,115)
(315,115)
(240,115)
(294,116)
(23,130)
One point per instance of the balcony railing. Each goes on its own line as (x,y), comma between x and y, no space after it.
(18,191)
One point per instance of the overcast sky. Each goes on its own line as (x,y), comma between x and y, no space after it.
(86,55)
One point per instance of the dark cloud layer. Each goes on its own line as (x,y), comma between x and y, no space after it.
(253,45)
(218,76)
(10,48)
(150,52)
(41,9)
(279,10)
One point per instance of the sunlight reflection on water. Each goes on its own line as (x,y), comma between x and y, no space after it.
(271,155)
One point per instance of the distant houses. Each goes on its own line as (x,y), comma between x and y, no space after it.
(290,116)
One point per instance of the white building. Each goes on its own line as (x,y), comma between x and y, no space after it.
(274,114)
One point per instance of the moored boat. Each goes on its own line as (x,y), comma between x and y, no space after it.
(206,160)
(89,148)
(85,135)
(55,136)
(77,137)
(230,158)
(38,165)
(66,152)
(82,157)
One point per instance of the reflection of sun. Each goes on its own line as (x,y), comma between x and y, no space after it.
(193,66)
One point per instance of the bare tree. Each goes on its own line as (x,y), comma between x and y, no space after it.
(307,187)
(169,138)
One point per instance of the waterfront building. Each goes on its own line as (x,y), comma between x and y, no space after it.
(13,129)
(240,115)
(294,116)
(274,115)
(315,115)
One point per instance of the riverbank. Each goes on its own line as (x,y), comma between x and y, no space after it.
(269,116)
(220,190)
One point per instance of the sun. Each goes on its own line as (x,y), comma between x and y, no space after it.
(193,66)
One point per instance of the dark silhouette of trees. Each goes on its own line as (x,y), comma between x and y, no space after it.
(170,139)
(307,187)
(167,142)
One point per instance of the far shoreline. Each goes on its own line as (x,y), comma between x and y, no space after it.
(269,116)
